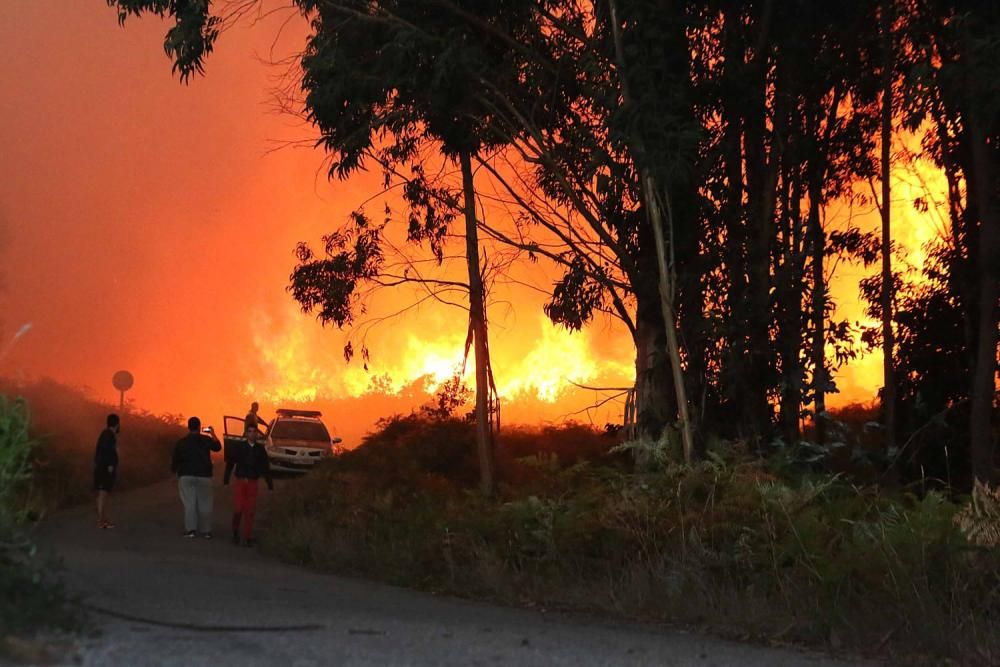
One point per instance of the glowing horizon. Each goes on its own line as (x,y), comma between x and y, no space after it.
(149,226)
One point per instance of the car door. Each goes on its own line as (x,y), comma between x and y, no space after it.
(234,435)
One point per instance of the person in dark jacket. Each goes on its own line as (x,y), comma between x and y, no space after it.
(249,462)
(106,468)
(192,463)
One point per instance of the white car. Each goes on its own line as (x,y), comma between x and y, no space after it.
(297,440)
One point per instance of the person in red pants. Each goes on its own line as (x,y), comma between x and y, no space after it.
(249,463)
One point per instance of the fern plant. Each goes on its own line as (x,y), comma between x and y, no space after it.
(979,521)
(15,456)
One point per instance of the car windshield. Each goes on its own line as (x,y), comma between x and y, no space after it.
(300,430)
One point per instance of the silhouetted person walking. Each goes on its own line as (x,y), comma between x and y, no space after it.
(250,463)
(106,468)
(192,463)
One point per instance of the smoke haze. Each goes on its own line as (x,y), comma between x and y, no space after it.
(149,226)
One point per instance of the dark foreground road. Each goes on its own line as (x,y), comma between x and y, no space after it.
(181,602)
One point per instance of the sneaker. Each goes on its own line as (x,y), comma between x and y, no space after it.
(207,536)
(250,543)
(107,525)
(191,534)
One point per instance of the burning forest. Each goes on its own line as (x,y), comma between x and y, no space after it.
(767,181)
(747,249)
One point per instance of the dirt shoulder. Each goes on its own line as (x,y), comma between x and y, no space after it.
(160,599)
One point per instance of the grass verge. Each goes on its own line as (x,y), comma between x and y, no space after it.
(740,544)
(31,597)
(65,424)
(46,463)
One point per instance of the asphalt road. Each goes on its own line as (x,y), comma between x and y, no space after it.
(167,600)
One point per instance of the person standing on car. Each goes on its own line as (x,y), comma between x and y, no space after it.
(192,463)
(250,463)
(106,468)
(251,421)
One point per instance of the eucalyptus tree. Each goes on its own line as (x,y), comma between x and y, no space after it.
(887,15)
(954,82)
(382,81)
(680,162)
(404,74)
(784,91)
(604,184)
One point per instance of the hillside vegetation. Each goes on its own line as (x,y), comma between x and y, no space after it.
(65,424)
(772,546)
(47,438)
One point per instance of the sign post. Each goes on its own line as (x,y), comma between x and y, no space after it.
(123,381)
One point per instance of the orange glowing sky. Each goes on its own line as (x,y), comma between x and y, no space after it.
(148,225)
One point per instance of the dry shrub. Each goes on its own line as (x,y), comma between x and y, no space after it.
(980,519)
(30,596)
(65,426)
(728,543)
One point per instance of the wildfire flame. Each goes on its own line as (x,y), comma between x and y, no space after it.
(294,367)
(919,208)
(300,362)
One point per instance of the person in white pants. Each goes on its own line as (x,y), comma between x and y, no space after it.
(192,463)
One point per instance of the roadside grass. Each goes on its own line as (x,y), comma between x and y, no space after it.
(766,548)
(47,439)
(31,597)
(65,426)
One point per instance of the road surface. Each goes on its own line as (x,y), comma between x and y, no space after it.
(161,599)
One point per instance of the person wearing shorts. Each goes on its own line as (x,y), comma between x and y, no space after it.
(106,468)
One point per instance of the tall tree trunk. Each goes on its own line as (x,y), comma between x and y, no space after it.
(662,225)
(761,173)
(667,304)
(984,388)
(789,292)
(477,318)
(690,286)
(817,243)
(735,358)
(655,403)
(888,344)
(687,228)
(735,363)
(959,217)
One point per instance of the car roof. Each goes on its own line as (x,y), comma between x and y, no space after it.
(289,412)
